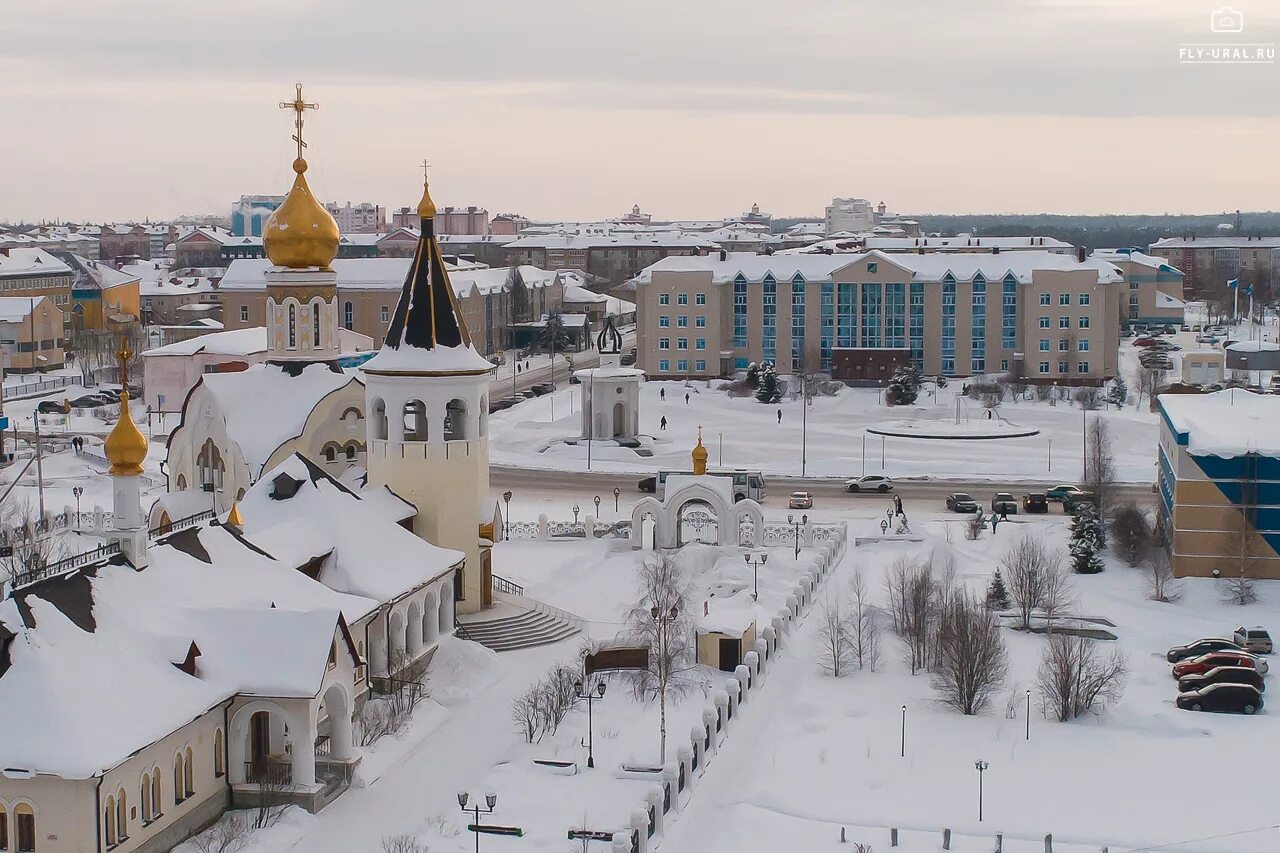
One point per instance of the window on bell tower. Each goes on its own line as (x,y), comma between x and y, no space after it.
(293,327)
(315,325)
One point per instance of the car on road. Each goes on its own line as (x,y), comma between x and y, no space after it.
(1255,639)
(869,483)
(542,388)
(1222,698)
(1061,492)
(1202,647)
(1035,502)
(961,502)
(1004,503)
(1222,675)
(90,401)
(51,407)
(499,405)
(800,500)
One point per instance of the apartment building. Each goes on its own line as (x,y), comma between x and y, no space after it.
(33,273)
(491,300)
(1155,287)
(31,335)
(1210,262)
(362,218)
(614,257)
(1049,317)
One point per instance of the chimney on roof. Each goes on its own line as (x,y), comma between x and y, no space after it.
(724,255)
(1080,254)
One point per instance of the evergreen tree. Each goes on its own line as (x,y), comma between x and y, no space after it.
(1117,391)
(1086,540)
(904,386)
(554,337)
(753,376)
(997,594)
(769,391)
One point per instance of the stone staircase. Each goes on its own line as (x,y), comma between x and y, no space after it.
(516,623)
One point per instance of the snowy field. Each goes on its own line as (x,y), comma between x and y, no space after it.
(742,433)
(810,754)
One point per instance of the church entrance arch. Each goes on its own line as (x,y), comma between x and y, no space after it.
(337,726)
(696,521)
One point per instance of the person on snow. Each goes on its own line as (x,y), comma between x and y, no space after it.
(662,424)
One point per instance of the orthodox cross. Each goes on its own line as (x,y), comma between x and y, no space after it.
(425,167)
(124,354)
(299,107)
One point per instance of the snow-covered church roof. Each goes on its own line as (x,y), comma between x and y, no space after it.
(427,334)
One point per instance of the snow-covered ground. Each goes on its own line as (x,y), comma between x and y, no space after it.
(742,433)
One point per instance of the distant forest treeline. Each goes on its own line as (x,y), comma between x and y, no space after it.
(1092,232)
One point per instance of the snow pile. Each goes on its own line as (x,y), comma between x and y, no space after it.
(460,670)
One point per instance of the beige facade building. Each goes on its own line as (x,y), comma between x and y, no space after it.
(1155,288)
(490,300)
(1049,317)
(1210,262)
(31,332)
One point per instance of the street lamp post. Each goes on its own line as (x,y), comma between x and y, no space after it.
(804,519)
(490,799)
(755,561)
(575,513)
(506,517)
(617,493)
(597,506)
(1028,715)
(903,751)
(77,491)
(981,767)
(591,698)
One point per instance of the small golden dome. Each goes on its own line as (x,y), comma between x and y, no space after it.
(126,446)
(426,207)
(234,519)
(700,456)
(300,233)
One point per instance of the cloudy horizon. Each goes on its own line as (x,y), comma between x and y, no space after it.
(564,109)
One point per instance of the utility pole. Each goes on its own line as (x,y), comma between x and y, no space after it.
(35,414)
(804,423)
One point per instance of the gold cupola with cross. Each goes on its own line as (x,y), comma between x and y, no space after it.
(300,234)
(126,446)
(126,449)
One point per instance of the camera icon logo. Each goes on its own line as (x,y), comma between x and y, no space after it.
(1226,20)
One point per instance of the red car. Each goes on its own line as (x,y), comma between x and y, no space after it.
(1144,342)
(1204,663)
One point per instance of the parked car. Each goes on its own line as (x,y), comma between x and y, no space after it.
(1201,647)
(1061,492)
(649,485)
(542,388)
(1071,503)
(51,407)
(1004,503)
(1255,639)
(1222,675)
(961,502)
(1204,663)
(90,401)
(869,483)
(513,399)
(499,405)
(1144,342)
(1170,329)
(800,500)
(1222,698)
(1035,502)
(1207,339)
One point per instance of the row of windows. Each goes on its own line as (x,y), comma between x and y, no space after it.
(682,321)
(1064,322)
(682,343)
(1063,299)
(1065,367)
(115,812)
(1064,345)
(770,337)
(348,314)
(682,299)
(34,284)
(740,312)
(24,819)
(682,365)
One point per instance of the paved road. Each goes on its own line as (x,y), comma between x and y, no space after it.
(502,380)
(824,490)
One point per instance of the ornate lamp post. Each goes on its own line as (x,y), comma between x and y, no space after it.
(575,513)
(490,799)
(591,697)
(981,767)
(597,499)
(755,561)
(804,519)
(77,491)
(506,517)
(617,493)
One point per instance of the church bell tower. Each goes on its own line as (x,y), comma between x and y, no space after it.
(427,399)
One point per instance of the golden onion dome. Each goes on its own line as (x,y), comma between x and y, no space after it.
(300,233)
(126,446)
(700,456)
(234,519)
(426,207)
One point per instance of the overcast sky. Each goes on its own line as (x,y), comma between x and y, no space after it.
(577,109)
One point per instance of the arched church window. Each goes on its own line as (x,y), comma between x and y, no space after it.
(315,325)
(330,452)
(348,315)
(109,818)
(293,327)
(455,421)
(352,450)
(378,412)
(415,421)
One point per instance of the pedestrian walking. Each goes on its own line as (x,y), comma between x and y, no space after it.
(662,393)
(779,415)
(686,398)
(662,424)
(897,505)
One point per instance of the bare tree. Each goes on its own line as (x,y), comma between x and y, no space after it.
(1239,589)
(1058,595)
(402,843)
(36,542)
(1161,585)
(226,836)
(273,787)
(1089,398)
(1100,473)
(1075,678)
(1026,565)
(662,621)
(865,620)
(974,527)
(1150,381)
(913,607)
(972,657)
(835,649)
(1130,533)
